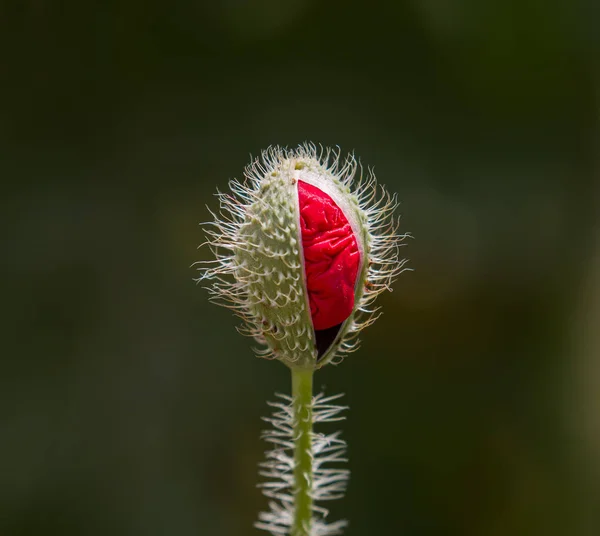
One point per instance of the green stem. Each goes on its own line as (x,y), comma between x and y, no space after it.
(302,380)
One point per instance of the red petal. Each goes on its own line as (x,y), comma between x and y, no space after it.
(331,257)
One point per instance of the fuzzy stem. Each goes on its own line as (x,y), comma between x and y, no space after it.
(302,387)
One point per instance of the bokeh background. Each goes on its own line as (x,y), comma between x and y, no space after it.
(130,406)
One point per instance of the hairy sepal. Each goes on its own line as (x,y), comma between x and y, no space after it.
(269,262)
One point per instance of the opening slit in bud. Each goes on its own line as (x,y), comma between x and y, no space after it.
(324,339)
(331,263)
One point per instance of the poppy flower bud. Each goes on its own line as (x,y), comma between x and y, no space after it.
(302,249)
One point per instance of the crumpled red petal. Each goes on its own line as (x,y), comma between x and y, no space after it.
(331,257)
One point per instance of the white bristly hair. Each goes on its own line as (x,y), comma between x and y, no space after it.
(328,482)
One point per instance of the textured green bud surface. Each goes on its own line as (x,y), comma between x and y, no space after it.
(273,270)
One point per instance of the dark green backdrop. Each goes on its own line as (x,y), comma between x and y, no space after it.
(129,406)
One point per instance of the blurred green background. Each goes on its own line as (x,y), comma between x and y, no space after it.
(130,406)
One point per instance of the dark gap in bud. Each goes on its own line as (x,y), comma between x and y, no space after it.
(325,338)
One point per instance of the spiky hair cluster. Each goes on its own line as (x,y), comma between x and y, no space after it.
(329,481)
(258,268)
